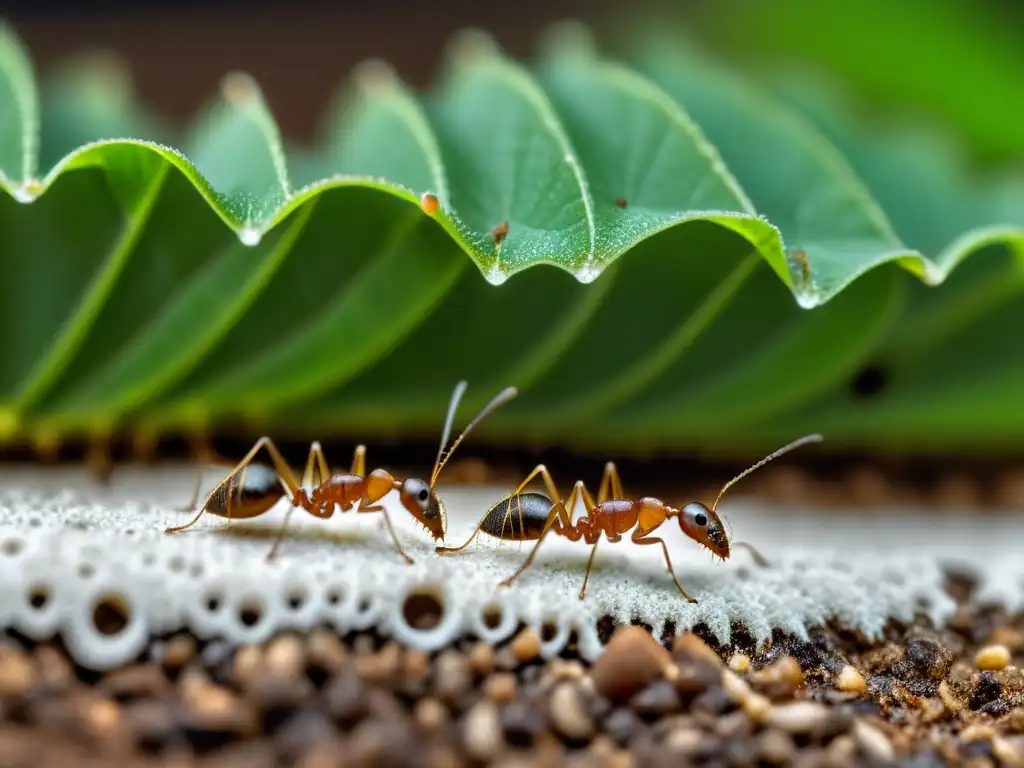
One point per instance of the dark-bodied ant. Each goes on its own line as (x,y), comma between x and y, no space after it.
(531,516)
(252,489)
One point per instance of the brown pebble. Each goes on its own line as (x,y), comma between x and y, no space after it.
(345,699)
(179,652)
(658,699)
(415,663)
(689,647)
(135,682)
(684,741)
(17,673)
(622,725)
(55,671)
(873,742)
(992,657)
(381,666)
(631,661)
(324,650)
(452,675)
(214,708)
(430,714)
(526,645)
(569,714)
(150,723)
(285,656)
(779,679)
(482,735)
(1008,636)
(775,747)
(103,717)
(302,730)
(481,659)
(248,659)
(501,687)
(849,680)
(841,752)
(269,690)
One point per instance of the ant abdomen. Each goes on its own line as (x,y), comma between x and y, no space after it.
(520,517)
(251,493)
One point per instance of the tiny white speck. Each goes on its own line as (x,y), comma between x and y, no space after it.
(250,236)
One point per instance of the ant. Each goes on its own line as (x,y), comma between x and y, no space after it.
(252,489)
(531,516)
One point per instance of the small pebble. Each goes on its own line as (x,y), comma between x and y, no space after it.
(775,747)
(430,714)
(799,717)
(481,659)
(993,657)
(781,678)
(632,660)
(658,699)
(415,663)
(134,682)
(17,674)
(271,691)
(689,647)
(381,666)
(217,709)
(453,676)
(622,725)
(324,650)
(569,714)
(179,652)
(301,731)
(739,663)
(482,733)
(849,680)
(684,741)
(526,645)
(248,659)
(501,687)
(55,671)
(151,723)
(345,699)
(523,722)
(873,742)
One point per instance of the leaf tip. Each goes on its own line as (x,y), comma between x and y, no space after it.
(28,191)
(374,76)
(472,45)
(240,90)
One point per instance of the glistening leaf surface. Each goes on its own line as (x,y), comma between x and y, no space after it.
(157,290)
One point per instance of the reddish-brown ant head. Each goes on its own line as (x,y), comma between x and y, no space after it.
(423,504)
(704,526)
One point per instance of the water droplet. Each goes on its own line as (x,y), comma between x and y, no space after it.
(588,272)
(496,276)
(28,191)
(250,236)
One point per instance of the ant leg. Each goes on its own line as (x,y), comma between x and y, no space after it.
(282,469)
(359,461)
(549,484)
(364,506)
(314,461)
(590,563)
(560,518)
(610,481)
(645,539)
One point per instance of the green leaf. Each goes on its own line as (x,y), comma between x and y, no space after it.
(657,252)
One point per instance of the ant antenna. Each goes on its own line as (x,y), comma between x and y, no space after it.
(815,438)
(442,456)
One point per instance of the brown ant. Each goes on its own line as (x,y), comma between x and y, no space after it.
(531,516)
(251,489)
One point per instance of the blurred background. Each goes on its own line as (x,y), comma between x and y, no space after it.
(958,63)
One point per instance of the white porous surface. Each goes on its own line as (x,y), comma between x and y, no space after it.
(67,546)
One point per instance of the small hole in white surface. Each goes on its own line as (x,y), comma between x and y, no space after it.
(335,595)
(365,604)
(11,547)
(110,615)
(250,613)
(423,608)
(86,570)
(196,571)
(491,615)
(213,602)
(149,559)
(548,630)
(35,522)
(296,598)
(39,596)
(176,564)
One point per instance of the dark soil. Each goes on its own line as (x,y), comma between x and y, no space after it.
(918,698)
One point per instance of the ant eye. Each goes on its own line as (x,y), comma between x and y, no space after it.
(700,519)
(424,495)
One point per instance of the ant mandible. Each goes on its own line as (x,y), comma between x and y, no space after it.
(531,516)
(251,489)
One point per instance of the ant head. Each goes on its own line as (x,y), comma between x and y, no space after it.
(704,526)
(422,503)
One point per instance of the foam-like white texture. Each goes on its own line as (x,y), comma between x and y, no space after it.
(81,546)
